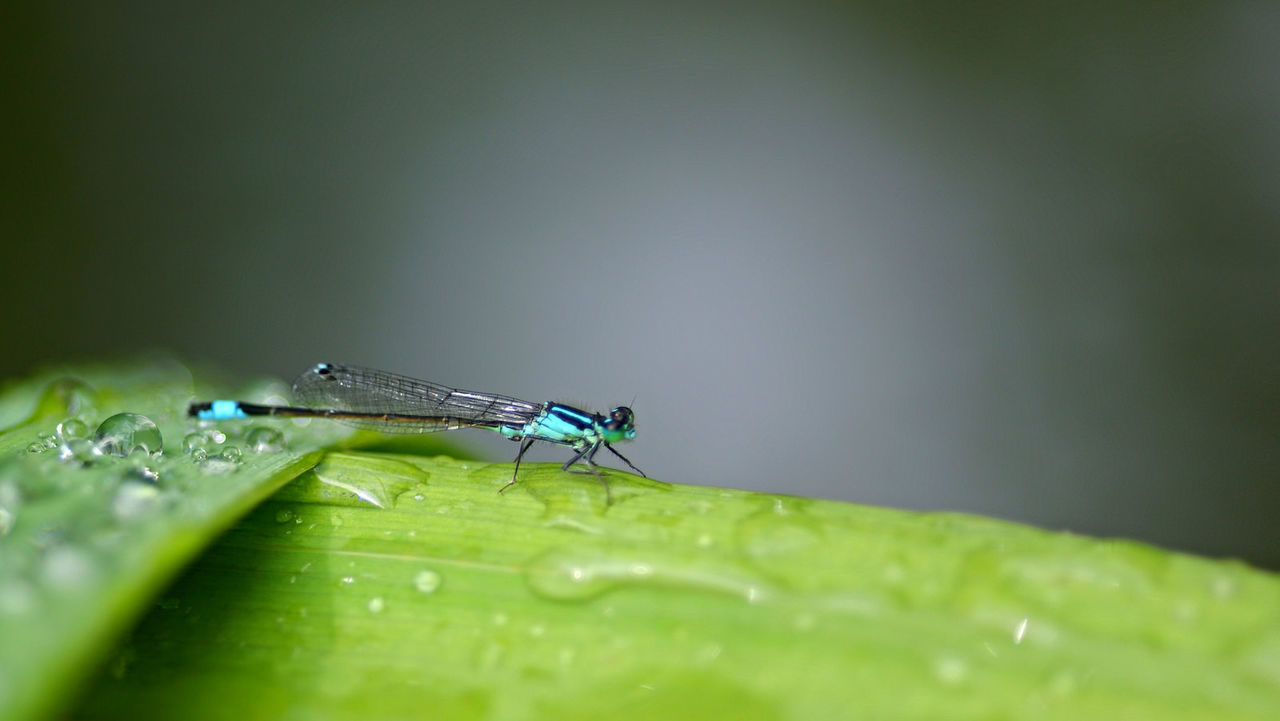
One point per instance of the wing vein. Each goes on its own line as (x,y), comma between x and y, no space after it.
(423,406)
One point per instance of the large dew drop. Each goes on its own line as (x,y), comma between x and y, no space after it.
(124,433)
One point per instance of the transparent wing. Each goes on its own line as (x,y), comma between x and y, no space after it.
(412,406)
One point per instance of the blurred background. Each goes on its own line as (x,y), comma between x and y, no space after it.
(1004,259)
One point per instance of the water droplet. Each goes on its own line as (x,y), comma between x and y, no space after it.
(193,442)
(73,428)
(348,579)
(79,450)
(427,581)
(374,480)
(376,604)
(124,433)
(141,473)
(284,515)
(36,447)
(700,507)
(265,440)
(217,463)
(49,440)
(571,574)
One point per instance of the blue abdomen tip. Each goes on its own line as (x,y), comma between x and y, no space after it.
(222,410)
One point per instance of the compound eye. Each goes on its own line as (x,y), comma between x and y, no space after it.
(622,416)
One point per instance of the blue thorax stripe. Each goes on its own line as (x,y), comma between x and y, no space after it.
(574,417)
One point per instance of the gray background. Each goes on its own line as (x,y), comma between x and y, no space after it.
(1010,260)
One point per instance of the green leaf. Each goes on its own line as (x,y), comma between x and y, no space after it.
(398,585)
(452,601)
(87,541)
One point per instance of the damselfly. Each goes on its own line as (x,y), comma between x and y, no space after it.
(397,404)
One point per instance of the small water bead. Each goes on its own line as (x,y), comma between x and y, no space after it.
(265,440)
(572,574)
(49,441)
(124,433)
(79,450)
(208,439)
(225,462)
(36,447)
(214,465)
(427,581)
(73,428)
(141,473)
